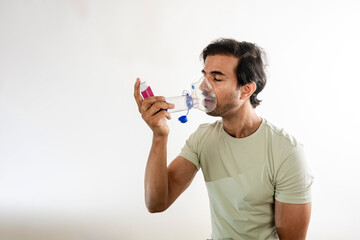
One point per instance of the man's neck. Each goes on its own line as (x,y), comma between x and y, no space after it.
(243,123)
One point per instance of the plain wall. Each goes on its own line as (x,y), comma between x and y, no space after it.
(73,147)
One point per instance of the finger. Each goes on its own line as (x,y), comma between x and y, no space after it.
(161,115)
(167,115)
(158,106)
(148,102)
(137,95)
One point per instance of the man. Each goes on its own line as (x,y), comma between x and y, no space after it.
(255,173)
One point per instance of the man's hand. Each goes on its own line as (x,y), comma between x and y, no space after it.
(152,111)
(162,184)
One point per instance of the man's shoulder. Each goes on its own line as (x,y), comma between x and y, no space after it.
(280,135)
(209,126)
(205,129)
(283,145)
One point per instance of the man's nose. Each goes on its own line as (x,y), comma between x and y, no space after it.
(205,85)
(208,76)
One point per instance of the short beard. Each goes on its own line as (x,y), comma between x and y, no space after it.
(220,110)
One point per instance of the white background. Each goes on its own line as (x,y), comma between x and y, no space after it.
(73,146)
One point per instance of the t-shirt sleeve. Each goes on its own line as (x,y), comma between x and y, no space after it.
(293,178)
(190,151)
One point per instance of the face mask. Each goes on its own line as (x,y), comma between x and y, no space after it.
(202,97)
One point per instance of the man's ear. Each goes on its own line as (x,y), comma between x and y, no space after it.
(247,90)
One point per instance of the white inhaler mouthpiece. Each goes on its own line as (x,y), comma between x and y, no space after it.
(202,97)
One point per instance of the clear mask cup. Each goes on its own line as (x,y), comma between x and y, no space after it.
(202,97)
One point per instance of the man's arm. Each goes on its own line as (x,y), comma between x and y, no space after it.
(162,184)
(292,220)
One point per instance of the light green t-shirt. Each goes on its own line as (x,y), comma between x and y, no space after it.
(244,176)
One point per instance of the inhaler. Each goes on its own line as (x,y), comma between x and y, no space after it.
(202,97)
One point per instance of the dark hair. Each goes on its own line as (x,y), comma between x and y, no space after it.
(251,65)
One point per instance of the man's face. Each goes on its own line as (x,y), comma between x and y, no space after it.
(220,71)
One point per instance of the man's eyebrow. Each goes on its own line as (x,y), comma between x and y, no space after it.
(214,72)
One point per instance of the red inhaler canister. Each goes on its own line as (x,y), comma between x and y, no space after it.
(145,90)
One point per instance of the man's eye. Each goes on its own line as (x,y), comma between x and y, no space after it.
(218,80)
